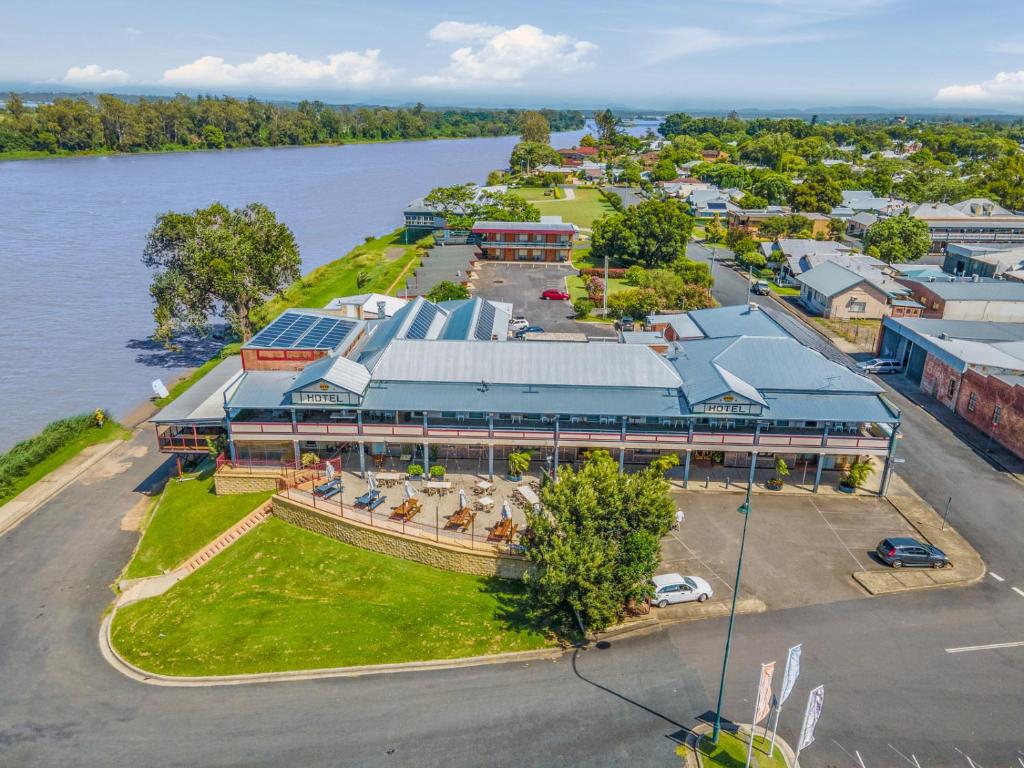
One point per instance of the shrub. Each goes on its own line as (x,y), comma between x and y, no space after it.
(24,455)
(309,459)
(856,474)
(414,470)
(635,275)
(582,306)
(519,463)
(437,471)
(616,272)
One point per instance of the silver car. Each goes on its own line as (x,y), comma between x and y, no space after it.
(673,588)
(879,365)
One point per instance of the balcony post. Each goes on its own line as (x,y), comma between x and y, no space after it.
(554,465)
(295,422)
(817,471)
(359,442)
(824,436)
(296,456)
(490,447)
(883,487)
(686,469)
(757,434)
(231,440)
(689,434)
(622,448)
(753,466)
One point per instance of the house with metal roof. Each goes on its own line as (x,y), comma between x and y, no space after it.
(739,389)
(846,293)
(549,239)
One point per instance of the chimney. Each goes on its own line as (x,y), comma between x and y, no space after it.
(381,311)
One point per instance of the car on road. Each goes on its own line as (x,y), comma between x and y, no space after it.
(672,588)
(761,288)
(898,551)
(528,329)
(555,294)
(518,323)
(879,365)
(625,324)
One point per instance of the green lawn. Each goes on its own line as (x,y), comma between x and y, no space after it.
(576,289)
(283,598)
(783,290)
(110,430)
(587,206)
(188,516)
(731,752)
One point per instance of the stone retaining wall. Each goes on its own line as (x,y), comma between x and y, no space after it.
(438,555)
(227,483)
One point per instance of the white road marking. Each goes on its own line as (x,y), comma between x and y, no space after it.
(996,576)
(992,647)
(1018,590)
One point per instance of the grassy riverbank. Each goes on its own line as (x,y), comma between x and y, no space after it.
(283,598)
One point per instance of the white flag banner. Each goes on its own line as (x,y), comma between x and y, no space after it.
(789,677)
(764,693)
(814,701)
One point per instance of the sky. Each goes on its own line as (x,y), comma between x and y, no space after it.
(629,53)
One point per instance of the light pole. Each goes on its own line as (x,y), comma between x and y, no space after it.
(604,293)
(744,509)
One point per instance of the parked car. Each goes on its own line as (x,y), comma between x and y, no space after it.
(518,323)
(625,324)
(674,588)
(761,288)
(555,294)
(528,329)
(898,551)
(879,365)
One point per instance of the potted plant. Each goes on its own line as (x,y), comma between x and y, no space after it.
(518,464)
(855,475)
(309,459)
(437,472)
(781,473)
(415,471)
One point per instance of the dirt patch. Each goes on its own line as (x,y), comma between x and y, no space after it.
(394,252)
(136,516)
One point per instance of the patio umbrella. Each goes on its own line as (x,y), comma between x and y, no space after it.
(409,492)
(506,510)
(330,471)
(462,499)
(371,482)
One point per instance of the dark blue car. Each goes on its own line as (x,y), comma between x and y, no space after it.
(898,551)
(528,329)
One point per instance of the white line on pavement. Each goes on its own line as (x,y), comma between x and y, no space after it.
(993,646)
(996,576)
(1018,591)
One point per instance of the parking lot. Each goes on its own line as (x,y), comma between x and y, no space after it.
(522,284)
(799,550)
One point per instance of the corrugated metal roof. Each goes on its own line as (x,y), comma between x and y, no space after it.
(263,389)
(523,226)
(339,371)
(736,320)
(682,324)
(968,290)
(553,363)
(204,400)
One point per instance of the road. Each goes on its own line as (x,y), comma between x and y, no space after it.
(889,679)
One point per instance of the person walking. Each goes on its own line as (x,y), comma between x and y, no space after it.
(679,520)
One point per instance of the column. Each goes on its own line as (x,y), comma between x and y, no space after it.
(817,471)
(686,469)
(426,448)
(297,454)
(753,466)
(490,447)
(231,440)
(883,486)
(622,450)
(362,446)
(554,463)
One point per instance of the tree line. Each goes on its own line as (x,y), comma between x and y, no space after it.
(112,124)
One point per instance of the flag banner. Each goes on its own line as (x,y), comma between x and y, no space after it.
(764,693)
(814,701)
(791,674)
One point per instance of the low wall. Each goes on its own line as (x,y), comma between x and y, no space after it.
(227,483)
(443,556)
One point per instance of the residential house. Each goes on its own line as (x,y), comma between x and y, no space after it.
(579,153)
(796,255)
(713,155)
(858,224)
(711,202)
(842,293)
(418,214)
(750,220)
(972,298)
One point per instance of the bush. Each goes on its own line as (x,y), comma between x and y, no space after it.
(616,272)
(309,459)
(24,455)
(857,474)
(437,471)
(635,275)
(519,463)
(582,306)
(414,470)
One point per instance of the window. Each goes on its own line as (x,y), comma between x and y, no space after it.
(857,306)
(997,412)
(952,388)
(972,402)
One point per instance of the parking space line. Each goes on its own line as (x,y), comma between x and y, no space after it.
(996,576)
(1018,591)
(836,534)
(990,647)
(704,563)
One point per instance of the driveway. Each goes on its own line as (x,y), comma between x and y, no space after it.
(800,551)
(522,284)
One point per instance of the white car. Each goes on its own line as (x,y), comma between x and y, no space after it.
(879,365)
(518,323)
(674,588)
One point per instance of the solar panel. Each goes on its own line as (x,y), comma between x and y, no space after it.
(298,330)
(421,325)
(485,322)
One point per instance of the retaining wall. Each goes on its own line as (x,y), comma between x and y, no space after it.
(438,555)
(227,483)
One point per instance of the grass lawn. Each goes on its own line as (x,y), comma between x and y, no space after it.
(581,260)
(188,515)
(110,430)
(283,598)
(731,752)
(587,206)
(783,290)
(575,285)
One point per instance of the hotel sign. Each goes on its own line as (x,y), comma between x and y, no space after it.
(324,394)
(728,405)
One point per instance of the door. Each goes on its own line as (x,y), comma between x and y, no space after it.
(915,364)
(918,556)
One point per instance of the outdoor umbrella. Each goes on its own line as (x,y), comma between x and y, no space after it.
(462,499)
(409,492)
(330,471)
(372,482)
(506,510)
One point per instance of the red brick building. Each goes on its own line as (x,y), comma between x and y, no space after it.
(549,241)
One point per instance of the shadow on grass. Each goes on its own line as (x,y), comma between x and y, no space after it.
(514,611)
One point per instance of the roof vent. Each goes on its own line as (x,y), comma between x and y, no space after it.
(931,279)
(944,336)
(752,307)
(381,312)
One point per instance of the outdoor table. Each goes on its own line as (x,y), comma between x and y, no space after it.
(482,486)
(528,495)
(485,501)
(388,478)
(438,486)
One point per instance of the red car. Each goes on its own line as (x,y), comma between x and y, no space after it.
(555,295)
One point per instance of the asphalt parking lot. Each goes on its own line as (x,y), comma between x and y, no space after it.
(800,550)
(522,284)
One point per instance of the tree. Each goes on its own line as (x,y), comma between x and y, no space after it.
(607,126)
(582,306)
(817,193)
(527,155)
(714,232)
(749,201)
(505,206)
(774,187)
(595,545)
(898,239)
(588,140)
(664,170)
(494,178)
(634,302)
(457,204)
(653,233)
(791,225)
(836,229)
(217,261)
(1005,180)
(446,290)
(534,127)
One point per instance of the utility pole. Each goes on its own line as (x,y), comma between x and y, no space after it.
(750,277)
(744,509)
(604,293)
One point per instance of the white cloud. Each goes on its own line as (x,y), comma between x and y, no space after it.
(1005,86)
(349,69)
(509,56)
(687,41)
(460,32)
(94,74)
(134,31)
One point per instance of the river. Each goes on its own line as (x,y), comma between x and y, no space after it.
(75,310)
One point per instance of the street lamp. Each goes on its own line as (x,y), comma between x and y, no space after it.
(744,509)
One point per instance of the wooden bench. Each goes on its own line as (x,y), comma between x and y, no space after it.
(462,519)
(406,510)
(503,530)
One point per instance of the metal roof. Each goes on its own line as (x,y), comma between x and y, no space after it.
(263,390)
(523,226)
(339,371)
(962,343)
(737,320)
(553,363)
(682,324)
(969,290)
(204,400)
(831,278)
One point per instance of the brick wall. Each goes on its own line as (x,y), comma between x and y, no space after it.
(992,392)
(935,381)
(225,484)
(445,557)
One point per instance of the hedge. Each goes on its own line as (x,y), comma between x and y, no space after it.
(616,272)
(23,456)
